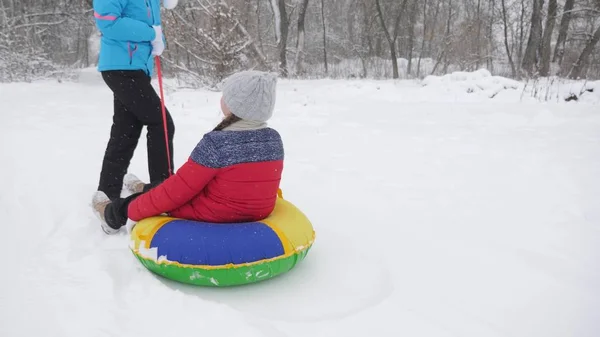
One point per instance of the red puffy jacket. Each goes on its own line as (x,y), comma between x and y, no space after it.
(231,176)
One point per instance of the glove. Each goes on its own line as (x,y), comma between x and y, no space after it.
(158,44)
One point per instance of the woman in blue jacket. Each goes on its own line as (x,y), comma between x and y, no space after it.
(131,38)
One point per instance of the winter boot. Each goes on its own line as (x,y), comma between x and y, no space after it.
(133,184)
(99,203)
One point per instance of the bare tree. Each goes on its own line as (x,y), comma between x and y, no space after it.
(562,32)
(39,39)
(535,37)
(585,55)
(391,37)
(522,33)
(411,35)
(478,42)
(217,47)
(447,43)
(546,47)
(506,45)
(301,36)
(424,37)
(490,50)
(280,17)
(209,39)
(324,36)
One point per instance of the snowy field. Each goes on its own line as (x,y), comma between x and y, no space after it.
(439,213)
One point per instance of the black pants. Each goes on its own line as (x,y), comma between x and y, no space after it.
(115,213)
(135,104)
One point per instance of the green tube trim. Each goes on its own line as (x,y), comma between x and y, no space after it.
(224,277)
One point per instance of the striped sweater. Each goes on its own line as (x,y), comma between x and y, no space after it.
(231,176)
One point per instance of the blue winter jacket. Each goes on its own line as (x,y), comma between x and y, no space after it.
(126,29)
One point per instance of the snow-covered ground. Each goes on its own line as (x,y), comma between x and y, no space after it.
(438,213)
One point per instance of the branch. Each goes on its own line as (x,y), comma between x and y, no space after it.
(397,24)
(194,55)
(380,15)
(42,14)
(186,70)
(277,19)
(204,7)
(242,47)
(37,24)
(181,18)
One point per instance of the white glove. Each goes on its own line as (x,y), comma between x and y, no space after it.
(170,4)
(158,44)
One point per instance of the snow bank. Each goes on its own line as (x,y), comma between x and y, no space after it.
(480,82)
(473,86)
(555,89)
(590,93)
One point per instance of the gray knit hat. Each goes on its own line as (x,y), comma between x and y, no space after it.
(250,95)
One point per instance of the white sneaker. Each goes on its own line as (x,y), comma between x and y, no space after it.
(99,203)
(133,183)
(130,225)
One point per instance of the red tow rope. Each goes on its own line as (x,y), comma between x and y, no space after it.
(164,112)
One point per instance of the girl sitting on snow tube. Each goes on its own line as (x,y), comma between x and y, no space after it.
(231,176)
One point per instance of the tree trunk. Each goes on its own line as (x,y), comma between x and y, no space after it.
(559,50)
(277,19)
(281,33)
(366,36)
(247,12)
(435,20)
(546,50)
(324,36)
(301,37)
(447,37)
(424,38)
(490,43)
(262,59)
(506,45)
(585,54)
(521,33)
(391,41)
(478,42)
(258,33)
(398,21)
(535,36)
(411,37)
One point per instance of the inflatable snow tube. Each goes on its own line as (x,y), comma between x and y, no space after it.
(219,255)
